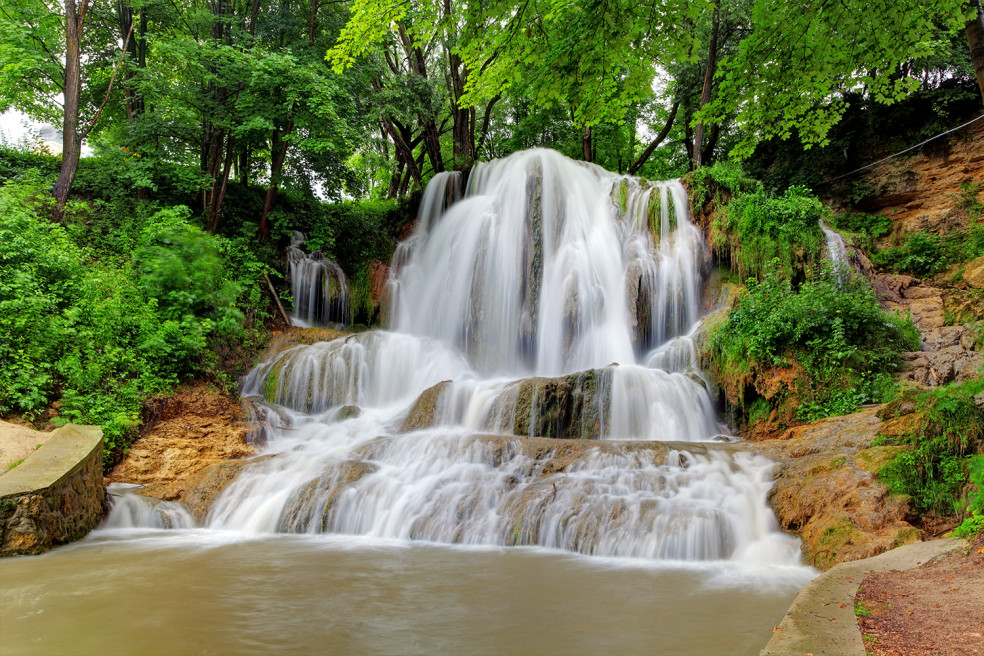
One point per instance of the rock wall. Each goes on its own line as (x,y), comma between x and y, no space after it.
(197,427)
(56,495)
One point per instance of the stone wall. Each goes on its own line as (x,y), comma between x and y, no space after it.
(56,495)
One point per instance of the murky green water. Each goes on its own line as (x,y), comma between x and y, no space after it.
(198,592)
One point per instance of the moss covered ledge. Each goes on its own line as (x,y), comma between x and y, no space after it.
(56,495)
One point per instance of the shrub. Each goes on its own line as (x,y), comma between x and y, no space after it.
(922,255)
(831,326)
(949,431)
(756,228)
(100,334)
(871,225)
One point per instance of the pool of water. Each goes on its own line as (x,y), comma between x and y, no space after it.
(212,592)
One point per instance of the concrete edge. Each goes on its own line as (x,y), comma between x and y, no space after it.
(821,619)
(65,452)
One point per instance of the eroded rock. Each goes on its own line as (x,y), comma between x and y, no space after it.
(195,429)
(827,490)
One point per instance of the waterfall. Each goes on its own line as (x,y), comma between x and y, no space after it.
(836,248)
(537,385)
(317,286)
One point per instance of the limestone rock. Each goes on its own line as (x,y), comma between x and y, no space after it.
(974,273)
(423,411)
(828,493)
(187,434)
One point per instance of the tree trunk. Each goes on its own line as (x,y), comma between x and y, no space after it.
(975,39)
(216,209)
(71,141)
(586,144)
(654,144)
(276,167)
(705,95)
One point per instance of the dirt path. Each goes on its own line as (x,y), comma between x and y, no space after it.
(17,442)
(936,609)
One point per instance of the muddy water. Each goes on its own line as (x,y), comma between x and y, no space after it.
(208,592)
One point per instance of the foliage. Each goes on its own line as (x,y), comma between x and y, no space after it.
(974,523)
(727,177)
(867,127)
(950,429)
(871,225)
(831,326)
(15,161)
(789,74)
(921,255)
(99,335)
(757,228)
(356,232)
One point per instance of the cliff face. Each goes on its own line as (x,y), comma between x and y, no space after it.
(920,191)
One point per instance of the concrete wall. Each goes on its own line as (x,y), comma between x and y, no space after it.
(56,495)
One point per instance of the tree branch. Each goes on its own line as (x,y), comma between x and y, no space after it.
(657,141)
(109,89)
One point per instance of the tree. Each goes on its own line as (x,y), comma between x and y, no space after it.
(792,71)
(41,57)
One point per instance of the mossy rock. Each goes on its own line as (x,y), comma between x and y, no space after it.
(873,459)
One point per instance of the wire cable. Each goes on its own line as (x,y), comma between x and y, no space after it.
(902,152)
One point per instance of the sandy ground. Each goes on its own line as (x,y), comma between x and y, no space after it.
(936,609)
(17,442)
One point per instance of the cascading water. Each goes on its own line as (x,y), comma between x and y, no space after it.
(836,248)
(317,286)
(555,300)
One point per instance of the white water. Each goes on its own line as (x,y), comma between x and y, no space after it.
(587,281)
(317,286)
(836,248)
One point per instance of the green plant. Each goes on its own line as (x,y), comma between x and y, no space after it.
(921,255)
(757,229)
(873,225)
(974,507)
(831,326)
(102,333)
(949,431)
(861,609)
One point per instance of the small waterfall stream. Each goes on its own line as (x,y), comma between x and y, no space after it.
(317,286)
(836,248)
(538,386)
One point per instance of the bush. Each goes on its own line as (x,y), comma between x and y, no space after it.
(101,334)
(922,255)
(831,326)
(755,228)
(949,431)
(870,225)
(360,231)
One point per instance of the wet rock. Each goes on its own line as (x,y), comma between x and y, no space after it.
(280,342)
(347,412)
(564,407)
(309,507)
(424,410)
(202,489)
